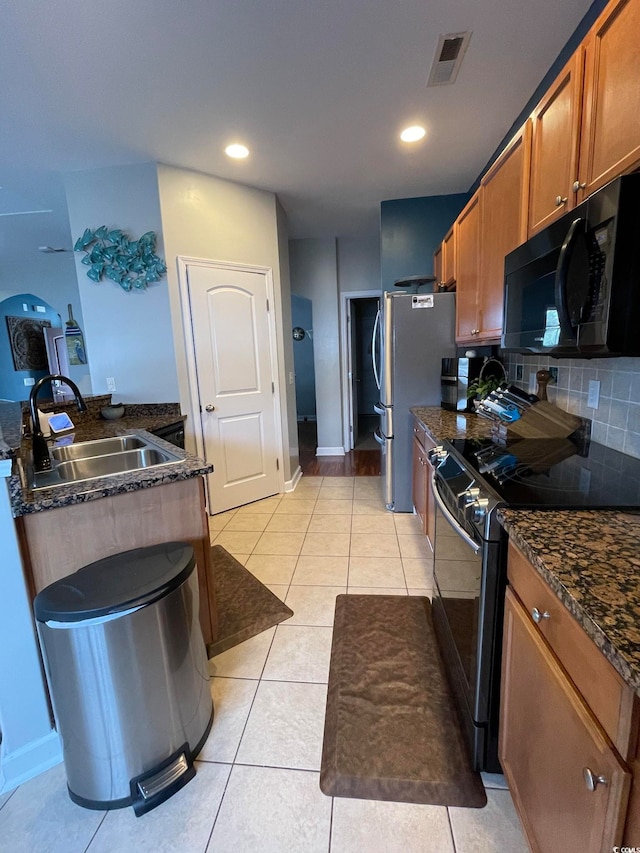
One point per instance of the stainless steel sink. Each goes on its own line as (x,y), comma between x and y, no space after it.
(99,447)
(89,460)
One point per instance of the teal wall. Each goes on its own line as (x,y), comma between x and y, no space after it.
(411,229)
(12,385)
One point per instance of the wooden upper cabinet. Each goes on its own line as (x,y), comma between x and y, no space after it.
(437,265)
(610,143)
(505,193)
(448,258)
(467,261)
(555,144)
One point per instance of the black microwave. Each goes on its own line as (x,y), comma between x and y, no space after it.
(573,289)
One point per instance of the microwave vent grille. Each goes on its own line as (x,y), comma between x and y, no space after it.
(448,58)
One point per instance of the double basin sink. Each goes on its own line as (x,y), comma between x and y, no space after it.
(88,460)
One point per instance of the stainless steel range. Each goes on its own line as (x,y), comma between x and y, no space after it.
(473,478)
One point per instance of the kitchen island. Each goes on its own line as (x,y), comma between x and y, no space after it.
(68,526)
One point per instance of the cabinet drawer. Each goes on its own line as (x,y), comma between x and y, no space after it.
(610,699)
(421,435)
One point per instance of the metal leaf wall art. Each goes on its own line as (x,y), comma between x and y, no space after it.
(132,264)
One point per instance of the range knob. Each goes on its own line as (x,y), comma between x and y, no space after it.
(466,498)
(437,455)
(477,510)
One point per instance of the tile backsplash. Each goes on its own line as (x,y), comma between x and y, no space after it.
(616,421)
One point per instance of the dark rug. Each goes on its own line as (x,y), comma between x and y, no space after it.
(391,729)
(245,606)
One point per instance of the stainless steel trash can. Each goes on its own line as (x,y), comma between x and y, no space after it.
(127,671)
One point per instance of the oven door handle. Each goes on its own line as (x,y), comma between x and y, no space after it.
(450,518)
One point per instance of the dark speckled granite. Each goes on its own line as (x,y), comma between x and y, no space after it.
(591,560)
(445,425)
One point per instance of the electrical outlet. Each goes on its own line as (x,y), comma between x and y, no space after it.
(29,380)
(593,398)
(111,384)
(533,383)
(554,375)
(519,372)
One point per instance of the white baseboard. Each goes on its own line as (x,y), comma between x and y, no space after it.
(329,451)
(289,485)
(29,761)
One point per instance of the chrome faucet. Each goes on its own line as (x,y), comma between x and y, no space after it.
(41,459)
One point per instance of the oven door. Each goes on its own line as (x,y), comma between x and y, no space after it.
(457,573)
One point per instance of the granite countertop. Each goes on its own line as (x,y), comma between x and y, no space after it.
(139,419)
(589,558)
(445,425)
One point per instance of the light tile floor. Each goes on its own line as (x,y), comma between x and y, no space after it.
(256,787)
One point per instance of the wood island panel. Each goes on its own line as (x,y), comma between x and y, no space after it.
(60,541)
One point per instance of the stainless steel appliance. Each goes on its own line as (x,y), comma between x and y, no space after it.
(473,478)
(456,375)
(411,335)
(572,289)
(127,669)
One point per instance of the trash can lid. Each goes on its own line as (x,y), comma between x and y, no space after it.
(120,582)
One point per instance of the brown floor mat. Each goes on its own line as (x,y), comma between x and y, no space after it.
(391,730)
(245,606)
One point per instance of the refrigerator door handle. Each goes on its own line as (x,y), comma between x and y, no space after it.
(378,409)
(374,349)
(379,438)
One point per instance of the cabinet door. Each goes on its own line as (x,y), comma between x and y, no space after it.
(505,192)
(467,249)
(420,483)
(611,125)
(448,258)
(548,739)
(555,142)
(437,265)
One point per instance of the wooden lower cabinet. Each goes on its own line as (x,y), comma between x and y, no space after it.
(422,471)
(549,743)
(58,542)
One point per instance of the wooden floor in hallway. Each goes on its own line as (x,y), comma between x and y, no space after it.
(356,463)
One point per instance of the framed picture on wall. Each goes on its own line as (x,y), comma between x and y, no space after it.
(27,342)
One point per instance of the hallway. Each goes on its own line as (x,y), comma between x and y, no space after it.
(356,463)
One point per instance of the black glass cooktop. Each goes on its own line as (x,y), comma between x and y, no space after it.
(555,473)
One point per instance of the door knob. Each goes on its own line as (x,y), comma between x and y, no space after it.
(210,408)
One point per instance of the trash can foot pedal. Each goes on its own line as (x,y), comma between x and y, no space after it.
(157,785)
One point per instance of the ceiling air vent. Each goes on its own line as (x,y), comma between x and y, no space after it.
(448,59)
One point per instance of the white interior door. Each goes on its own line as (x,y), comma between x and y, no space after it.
(236,382)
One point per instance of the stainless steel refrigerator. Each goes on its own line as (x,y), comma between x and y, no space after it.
(412,334)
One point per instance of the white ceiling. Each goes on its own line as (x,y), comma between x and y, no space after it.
(318,89)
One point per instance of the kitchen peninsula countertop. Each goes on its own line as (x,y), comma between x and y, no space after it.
(589,558)
(139,419)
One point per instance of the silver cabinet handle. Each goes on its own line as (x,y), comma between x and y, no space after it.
(210,408)
(538,617)
(578,186)
(591,780)
(560,200)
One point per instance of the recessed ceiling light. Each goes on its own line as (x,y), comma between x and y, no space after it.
(238,152)
(413,133)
